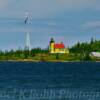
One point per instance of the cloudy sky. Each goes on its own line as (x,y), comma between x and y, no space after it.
(69,21)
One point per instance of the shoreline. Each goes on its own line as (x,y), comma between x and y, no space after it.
(37,61)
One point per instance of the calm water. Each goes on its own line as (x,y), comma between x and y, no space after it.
(56,77)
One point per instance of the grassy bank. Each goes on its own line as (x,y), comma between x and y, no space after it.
(47,57)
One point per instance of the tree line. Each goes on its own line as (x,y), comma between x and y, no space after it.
(80,51)
(21,54)
(84,49)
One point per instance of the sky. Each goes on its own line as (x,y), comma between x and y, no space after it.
(68,21)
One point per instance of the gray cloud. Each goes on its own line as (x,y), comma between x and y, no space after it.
(45,7)
(92,25)
(79,3)
(4,3)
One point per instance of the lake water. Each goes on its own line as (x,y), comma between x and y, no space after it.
(49,81)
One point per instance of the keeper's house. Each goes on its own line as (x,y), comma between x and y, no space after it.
(57,47)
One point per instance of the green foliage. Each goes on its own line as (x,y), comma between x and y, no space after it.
(83,49)
(21,54)
(79,52)
(57,56)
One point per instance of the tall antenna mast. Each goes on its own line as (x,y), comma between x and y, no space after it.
(28,43)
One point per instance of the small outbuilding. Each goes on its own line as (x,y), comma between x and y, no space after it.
(95,54)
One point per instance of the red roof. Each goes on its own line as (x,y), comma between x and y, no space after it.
(60,46)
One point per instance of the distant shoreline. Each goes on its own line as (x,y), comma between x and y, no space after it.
(37,61)
(26,60)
